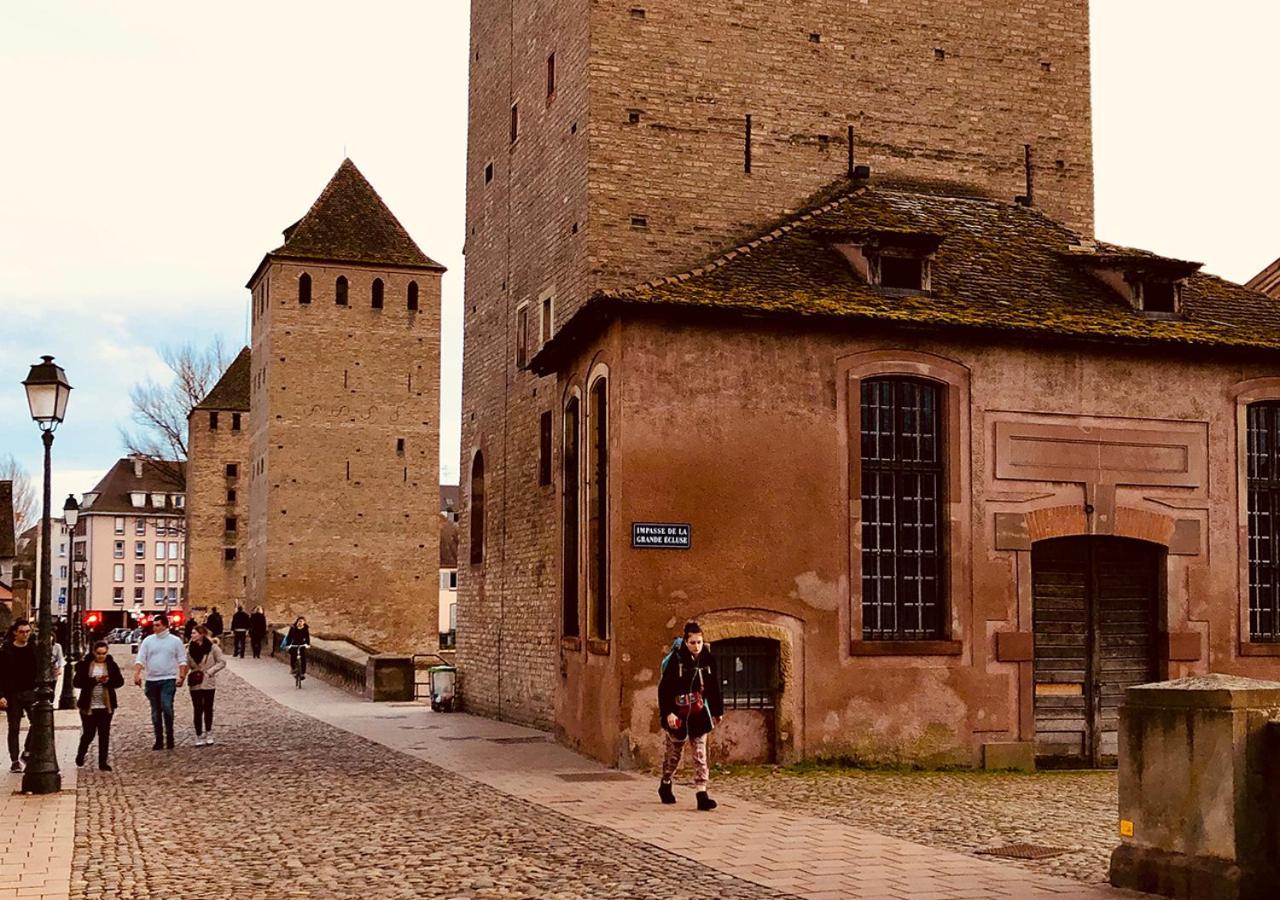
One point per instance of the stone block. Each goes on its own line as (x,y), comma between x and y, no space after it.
(1197,791)
(389,678)
(1019,755)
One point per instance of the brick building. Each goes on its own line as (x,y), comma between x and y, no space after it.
(943,463)
(343,446)
(217,502)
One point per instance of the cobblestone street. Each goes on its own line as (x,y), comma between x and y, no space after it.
(286,806)
(965,811)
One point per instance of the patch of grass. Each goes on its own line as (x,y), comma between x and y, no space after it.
(852,766)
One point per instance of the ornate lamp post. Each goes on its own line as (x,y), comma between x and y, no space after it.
(70,655)
(47,393)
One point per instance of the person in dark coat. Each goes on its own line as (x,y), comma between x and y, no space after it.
(257,630)
(239,630)
(213,622)
(299,636)
(690,706)
(17,684)
(189,628)
(98,678)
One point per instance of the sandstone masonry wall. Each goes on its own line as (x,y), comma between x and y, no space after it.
(212,580)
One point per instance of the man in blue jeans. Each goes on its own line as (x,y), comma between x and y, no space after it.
(163,657)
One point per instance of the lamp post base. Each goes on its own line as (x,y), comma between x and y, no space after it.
(41,775)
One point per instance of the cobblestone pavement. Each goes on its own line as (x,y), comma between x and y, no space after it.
(964,811)
(286,806)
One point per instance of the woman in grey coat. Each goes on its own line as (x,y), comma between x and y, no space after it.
(204,662)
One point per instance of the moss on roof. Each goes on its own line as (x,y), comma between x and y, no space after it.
(349,222)
(999,266)
(232,390)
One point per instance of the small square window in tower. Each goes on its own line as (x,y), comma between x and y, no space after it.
(235,421)
(233,470)
(213,421)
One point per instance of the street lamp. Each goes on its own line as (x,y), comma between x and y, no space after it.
(71,515)
(47,392)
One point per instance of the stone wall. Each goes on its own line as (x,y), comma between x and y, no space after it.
(344,518)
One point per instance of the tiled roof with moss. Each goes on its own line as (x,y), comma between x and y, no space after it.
(349,222)
(999,267)
(232,390)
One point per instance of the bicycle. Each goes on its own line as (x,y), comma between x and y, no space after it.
(298,662)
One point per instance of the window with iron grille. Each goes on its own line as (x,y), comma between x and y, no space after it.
(1264,507)
(903,557)
(748,672)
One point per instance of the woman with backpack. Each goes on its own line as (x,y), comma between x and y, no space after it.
(690,705)
(204,662)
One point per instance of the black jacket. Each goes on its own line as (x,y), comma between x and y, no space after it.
(115,679)
(685,675)
(17,669)
(240,621)
(258,625)
(298,636)
(214,624)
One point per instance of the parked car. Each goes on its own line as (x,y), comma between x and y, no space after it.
(118,636)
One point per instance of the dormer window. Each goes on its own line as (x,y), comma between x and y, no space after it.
(1151,285)
(890,260)
(138,499)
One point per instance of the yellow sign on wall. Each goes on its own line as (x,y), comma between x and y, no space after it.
(1126,828)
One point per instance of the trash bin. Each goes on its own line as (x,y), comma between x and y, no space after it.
(444,682)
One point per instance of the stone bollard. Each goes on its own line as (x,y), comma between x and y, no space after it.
(1198,789)
(389,678)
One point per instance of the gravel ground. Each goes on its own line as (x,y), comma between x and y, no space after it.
(286,806)
(963,811)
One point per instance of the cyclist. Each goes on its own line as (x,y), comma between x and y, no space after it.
(299,636)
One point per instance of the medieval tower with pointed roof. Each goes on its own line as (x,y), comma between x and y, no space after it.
(342,474)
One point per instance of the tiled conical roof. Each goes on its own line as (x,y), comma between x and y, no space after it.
(350,223)
(232,390)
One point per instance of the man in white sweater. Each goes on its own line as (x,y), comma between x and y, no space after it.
(163,657)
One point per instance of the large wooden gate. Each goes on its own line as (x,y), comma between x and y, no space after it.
(1096,603)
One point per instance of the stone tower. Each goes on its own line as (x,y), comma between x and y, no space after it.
(343,463)
(610,143)
(217,509)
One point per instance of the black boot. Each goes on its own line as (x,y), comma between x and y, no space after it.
(664,791)
(705,803)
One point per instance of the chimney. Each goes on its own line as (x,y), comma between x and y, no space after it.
(137,467)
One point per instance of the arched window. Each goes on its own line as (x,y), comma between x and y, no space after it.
(903,479)
(477,510)
(571,459)
(377,293)
(413,296)
(304,288)
(1263,470)
(340,290)
(598,512)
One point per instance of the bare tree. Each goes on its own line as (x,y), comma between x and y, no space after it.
(24,492)
(160,411)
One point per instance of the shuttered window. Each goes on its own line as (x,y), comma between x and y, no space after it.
(902,479)
(1264,505)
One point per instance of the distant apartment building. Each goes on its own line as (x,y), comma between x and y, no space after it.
(60,562)
(448,579)
(217,496)
(132,534)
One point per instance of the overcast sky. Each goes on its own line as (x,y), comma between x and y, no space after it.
(151,152)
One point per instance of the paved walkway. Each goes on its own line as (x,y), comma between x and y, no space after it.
(783,851)
(37,833)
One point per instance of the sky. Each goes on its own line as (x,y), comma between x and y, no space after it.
(152,152)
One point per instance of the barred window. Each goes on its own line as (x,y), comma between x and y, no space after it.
(903,558)
(1264,506)
(748,671)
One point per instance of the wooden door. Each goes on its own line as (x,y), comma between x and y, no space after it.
(1095,612)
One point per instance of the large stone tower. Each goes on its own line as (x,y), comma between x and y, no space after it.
(613,142)
(343,467)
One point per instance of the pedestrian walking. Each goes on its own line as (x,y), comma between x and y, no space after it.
(214,621)
(98,678)
(299,636)
(189,628)
(17,684)
(163,658)
(204,662)
(257,630)
(239,630)
(690,706)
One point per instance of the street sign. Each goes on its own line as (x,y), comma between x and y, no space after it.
(661,536)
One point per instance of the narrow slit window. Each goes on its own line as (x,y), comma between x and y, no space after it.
(546,319)
(304,288)
(551,78)
(544,449)
(235,421)
(571,534)
(213,421)
(522,337)
(477,510)
(413,296)
(515,122)
(340,290)
(376,294)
